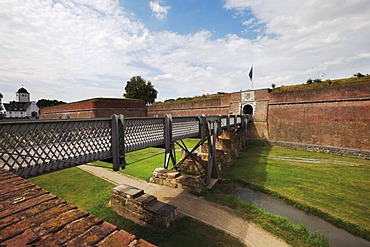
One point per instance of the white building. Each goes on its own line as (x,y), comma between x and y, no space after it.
(22,107)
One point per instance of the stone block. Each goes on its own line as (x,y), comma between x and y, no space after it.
(127,191)
(144,209)
(163,214)
(146,200)
(193,183)
(158,171)
(165,177)
(173,174)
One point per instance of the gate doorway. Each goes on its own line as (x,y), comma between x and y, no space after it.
(248,109)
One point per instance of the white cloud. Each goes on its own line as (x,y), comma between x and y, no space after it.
(248,22)
(72,50)
(160,11)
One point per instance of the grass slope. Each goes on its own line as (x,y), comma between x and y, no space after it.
(324,84)
(335,187)
(295,235)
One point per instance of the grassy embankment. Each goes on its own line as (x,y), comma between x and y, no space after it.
(333,187)
(92,194)
(324,84)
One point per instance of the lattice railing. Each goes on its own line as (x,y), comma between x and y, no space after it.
(184,127)
(143,132)
(29,148)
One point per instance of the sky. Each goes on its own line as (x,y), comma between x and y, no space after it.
(72,50)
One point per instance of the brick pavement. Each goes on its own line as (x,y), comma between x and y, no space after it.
(30,215)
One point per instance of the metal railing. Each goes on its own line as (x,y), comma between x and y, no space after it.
(30,148)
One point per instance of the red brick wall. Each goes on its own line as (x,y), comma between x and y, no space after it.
(335,116)
(214,105)
(95,108)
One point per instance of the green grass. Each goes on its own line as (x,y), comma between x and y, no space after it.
(76,186)
(141,163)
(327,83)
(185,232)
(333,187)
(295,235)
(337,188)
(189,142)
(92,194)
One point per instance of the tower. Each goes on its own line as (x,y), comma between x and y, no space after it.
(22,95)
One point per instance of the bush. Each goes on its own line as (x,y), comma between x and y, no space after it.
(358,75)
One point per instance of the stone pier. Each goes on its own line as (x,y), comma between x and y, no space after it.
(175,179)
(191,175)
(144,209)
(228,145)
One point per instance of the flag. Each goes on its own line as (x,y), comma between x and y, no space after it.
(251,73)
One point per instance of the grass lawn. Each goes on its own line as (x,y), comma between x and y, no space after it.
(294,235)
(92,194)
(334,187)
(141,163)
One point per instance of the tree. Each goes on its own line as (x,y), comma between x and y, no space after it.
(2,115)
(138,88)
(47,102)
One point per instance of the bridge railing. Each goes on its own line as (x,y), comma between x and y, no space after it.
(35,147)
(30,148)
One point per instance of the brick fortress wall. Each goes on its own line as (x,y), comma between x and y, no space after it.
(95,108)
(332,117)
(211,105)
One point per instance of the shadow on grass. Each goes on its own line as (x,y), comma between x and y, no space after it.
(184,232)
(251,164)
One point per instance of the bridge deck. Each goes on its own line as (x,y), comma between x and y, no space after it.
(30,215)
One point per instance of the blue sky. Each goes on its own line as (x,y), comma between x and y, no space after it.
(72,50)
(191,16)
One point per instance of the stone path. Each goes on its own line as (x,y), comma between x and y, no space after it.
(196,207)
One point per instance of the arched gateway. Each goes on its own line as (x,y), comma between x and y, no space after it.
(248,109)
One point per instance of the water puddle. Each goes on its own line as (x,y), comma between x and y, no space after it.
(336,236)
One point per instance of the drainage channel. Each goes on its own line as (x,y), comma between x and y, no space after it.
(336,236)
